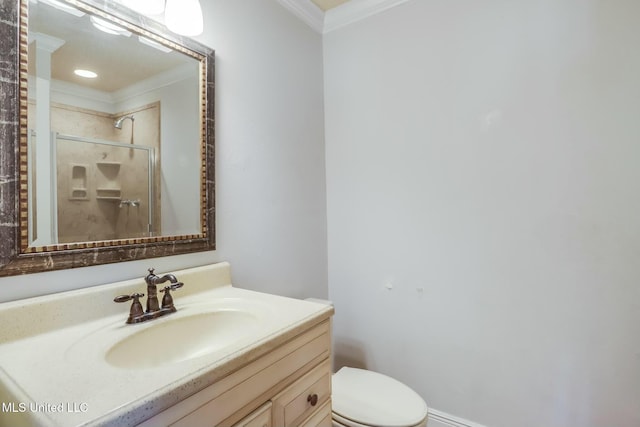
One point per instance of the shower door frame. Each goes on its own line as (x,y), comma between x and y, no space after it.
(54,172)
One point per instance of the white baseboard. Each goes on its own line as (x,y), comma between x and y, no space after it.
(442,419)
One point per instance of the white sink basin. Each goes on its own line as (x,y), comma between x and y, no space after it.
(182,338)
(197,330)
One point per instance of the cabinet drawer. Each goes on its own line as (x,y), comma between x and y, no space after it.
(304,397)
(321,418)
(261,417)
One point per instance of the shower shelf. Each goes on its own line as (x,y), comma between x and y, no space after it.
(110,164)
(108,177)
(114,194)
(78,182)
(79,194)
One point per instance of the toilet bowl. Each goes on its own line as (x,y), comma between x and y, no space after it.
(362,398)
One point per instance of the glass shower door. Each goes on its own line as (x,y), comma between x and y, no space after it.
(104,190)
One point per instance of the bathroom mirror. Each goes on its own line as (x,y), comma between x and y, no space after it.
(106,168)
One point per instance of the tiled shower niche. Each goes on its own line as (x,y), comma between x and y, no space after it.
(78,190)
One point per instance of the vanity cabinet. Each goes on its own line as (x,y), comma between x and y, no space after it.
(303,398)
(261,417)
(288,386)
(320,418)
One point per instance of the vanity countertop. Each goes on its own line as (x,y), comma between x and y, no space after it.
(53,370)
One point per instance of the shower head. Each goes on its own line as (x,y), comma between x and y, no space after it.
(118,123)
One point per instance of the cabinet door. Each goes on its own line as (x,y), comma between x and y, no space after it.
(321,418)
(261,417)
(303,398)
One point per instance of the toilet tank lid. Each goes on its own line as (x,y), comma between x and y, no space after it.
(375,399)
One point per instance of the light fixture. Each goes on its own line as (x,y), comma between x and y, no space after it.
(184,17)
(146,7)
(85,73)
(108,27)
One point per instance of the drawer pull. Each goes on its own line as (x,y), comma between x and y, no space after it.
(312,399)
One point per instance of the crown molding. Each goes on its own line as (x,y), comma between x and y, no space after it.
(338,17)
(307,11)
(109,102)
(166,78)
(45,42)
(356,10)
(81,97)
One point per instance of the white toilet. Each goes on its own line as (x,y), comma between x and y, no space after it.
(362,398)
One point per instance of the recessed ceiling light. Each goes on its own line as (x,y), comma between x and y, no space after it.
(85,73)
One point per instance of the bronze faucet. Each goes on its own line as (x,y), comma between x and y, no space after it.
(154,310)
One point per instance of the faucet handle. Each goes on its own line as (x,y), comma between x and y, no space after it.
(136,308)
(167,299)
(125,298)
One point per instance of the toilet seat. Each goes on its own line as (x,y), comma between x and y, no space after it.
(339,421)
(363,398)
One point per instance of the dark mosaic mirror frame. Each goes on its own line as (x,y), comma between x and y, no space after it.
(16,256)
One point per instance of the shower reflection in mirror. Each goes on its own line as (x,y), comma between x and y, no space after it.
(101,190)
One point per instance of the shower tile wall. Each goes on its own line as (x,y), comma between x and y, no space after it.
(91,218)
